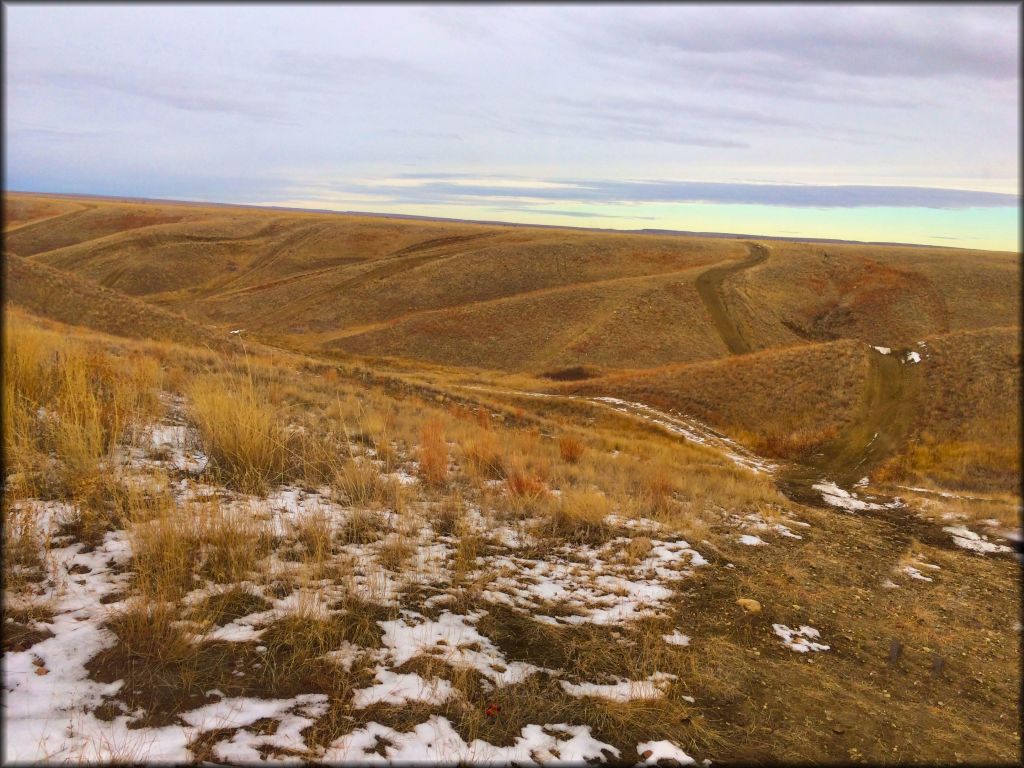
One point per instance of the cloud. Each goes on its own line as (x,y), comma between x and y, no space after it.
(449,190)
(574,214)
(856,41)
(191,92)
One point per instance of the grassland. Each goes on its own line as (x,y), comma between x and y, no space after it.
(398,514)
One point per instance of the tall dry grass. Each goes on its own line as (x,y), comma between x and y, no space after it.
(69,408)
(242,432)
(433,452)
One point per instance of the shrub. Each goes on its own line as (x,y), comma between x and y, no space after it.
(433,453)
(571,448)
(241,433)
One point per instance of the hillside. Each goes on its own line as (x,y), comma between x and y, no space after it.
(68,298)
(681,497)
(760,340)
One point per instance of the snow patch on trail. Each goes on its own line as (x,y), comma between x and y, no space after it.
(692,430)
(835,496)
(968,539)
(799,640)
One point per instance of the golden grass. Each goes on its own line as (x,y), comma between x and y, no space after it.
(570,448)
(651,474)
(63,399)
(241,432)
(433,453)
(580,515)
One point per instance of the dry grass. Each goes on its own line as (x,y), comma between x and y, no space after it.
(360,484)
(433,453)
(64,399)
(580,516)
(290,420)
(570,448)
(241,432)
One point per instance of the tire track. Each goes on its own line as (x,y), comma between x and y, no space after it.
(710,286)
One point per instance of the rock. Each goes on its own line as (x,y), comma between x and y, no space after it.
(749,605)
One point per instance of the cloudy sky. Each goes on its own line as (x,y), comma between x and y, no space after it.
(878,122)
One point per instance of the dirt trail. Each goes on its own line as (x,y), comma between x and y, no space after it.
(890,404)
(879,428)
(710,287)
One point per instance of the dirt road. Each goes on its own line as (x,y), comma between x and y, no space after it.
(710,287)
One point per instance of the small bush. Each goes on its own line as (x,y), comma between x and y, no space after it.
(433,453)
(360,483)
(483,456)
(580,515)
(240,429)
(571,448)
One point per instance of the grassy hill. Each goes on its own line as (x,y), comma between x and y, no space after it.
(455,481)
(656,318)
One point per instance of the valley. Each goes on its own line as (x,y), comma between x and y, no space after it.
(294,485)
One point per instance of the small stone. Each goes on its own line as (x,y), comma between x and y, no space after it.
(647,753)
(748,604)
(42,671)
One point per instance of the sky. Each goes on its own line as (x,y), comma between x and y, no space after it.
(874,122)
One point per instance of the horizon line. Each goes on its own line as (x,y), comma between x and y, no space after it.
(493,222)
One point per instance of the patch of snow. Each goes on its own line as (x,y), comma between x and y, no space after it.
(883,350)
(399,688)
(293,716)
(436,741)
(751,541)
(968,539)
(676,638)
(452,638)
(799,640)
(913,573)
(623,690)
(653,751)
(835,496)
(604,591)
(783,530)
(912,357)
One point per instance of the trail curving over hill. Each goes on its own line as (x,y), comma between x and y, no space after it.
(710,285)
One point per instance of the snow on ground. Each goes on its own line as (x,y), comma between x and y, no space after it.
(454,639)
(622,690)
(913,573)
(436,741)
(399,688)
(800,640)
(653,751)
(751,541)
(676,638)
(968,539)
(835,496)
(50,713)
(912,357)
(598,589)
(883,350)
(692,430)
